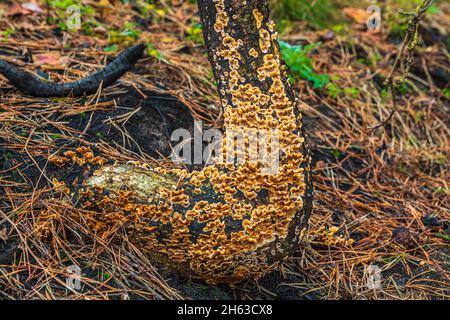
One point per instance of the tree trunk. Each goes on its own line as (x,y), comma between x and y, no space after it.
(230,221)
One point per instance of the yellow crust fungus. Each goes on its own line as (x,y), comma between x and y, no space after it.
(226,222)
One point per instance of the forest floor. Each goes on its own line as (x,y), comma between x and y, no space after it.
(381,194)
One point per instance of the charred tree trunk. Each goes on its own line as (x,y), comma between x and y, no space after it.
(230,221)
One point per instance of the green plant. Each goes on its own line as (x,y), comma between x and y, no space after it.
(296,57)
(334,90)
(419,116)
(60,7)
(336,153)
(125,36)
(351,92)
(112,48)
(8,32)
(63,4)
(195,33)
(318,13)
(446,92)
(155,53)
(145,7)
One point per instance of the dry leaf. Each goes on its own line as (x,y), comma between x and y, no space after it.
(26,8)
(103,4)
(31,6)
(16,10)
(358,15)
(50,58)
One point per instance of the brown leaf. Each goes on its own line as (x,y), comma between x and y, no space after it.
(104,3)
(53,58)
(32,6)
(358,15)
(26,8)
(16,10)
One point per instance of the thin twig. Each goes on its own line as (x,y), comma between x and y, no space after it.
(409,43)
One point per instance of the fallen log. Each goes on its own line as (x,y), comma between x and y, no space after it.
(229,221)
(31,85)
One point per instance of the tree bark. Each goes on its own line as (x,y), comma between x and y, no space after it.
(29,84)
(230,221)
